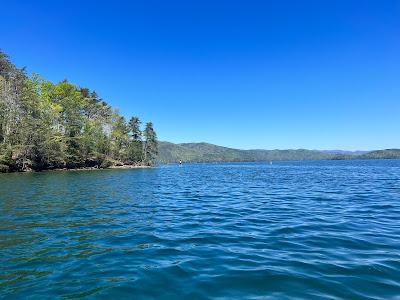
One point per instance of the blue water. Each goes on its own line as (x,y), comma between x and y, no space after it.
(311,230)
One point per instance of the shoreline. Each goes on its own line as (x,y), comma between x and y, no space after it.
(122,167)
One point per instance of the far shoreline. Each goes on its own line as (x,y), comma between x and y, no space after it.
(276,160)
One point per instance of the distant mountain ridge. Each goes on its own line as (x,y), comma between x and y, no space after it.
(381,154)
(345,152)
(205,152)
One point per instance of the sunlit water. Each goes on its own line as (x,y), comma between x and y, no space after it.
(327,229)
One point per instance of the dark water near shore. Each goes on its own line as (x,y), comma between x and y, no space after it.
(323,229)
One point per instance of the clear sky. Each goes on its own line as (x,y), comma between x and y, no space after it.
(245,74)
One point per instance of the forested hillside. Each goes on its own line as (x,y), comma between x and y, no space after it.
(204,152)
(382,154)
(46,125)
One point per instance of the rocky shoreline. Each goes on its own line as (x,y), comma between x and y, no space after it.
(120,167)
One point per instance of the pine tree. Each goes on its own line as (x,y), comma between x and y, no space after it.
(136,144)
(134,127)
(150,144)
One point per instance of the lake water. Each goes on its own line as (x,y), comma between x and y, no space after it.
(322,229)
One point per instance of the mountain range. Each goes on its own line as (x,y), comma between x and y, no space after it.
(205,152)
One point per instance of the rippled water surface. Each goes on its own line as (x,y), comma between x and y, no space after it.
(327,229)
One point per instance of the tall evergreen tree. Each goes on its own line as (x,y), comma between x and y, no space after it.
(150,144)
(136,144)
(134,127)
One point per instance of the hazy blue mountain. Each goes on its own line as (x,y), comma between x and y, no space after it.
(345,152)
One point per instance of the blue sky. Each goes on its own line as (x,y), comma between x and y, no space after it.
(245,74)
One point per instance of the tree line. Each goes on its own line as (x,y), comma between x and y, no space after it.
(46,125)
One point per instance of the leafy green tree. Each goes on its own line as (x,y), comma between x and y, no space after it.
(119,138)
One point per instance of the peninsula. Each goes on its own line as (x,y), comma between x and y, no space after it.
(46,125)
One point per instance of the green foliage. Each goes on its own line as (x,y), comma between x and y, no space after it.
(150,144)
(44,125)
(135,148)
(134,127)
(6,162)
